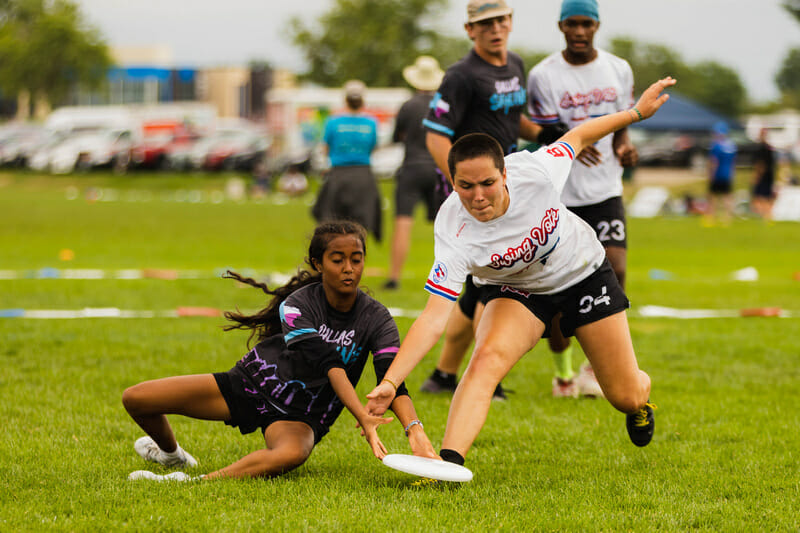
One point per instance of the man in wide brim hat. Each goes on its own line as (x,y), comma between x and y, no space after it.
(425,74)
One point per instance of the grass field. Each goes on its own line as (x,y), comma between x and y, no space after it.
(724,458)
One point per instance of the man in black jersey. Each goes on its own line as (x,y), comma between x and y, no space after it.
(484,92)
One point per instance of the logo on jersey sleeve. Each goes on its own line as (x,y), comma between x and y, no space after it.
(439,106)
(439,273)
(289,314)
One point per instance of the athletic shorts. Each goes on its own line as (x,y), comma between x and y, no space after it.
(720,186)
(596,297)
(416,183)
(248,413)
(471,295)
(607,219)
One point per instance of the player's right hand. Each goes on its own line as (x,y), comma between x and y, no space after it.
(380,398)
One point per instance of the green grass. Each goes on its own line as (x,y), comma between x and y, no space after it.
(724,457)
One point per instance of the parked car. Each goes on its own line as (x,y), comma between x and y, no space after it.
(233,145)
(686,149)
(19,141)
(111,148)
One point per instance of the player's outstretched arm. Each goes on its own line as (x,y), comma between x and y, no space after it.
(369,423)
(422,336)
(593,130)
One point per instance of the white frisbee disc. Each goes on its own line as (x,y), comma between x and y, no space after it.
(426,467)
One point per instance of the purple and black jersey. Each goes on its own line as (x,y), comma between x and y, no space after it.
(288,374)
(478,97)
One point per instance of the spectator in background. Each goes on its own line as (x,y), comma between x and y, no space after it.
(293,182)
(721,166)
(417,178)
(349,191)
(763,178)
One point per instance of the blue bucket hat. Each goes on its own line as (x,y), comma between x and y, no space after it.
(583,8)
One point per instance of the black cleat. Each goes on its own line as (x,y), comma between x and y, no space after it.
(499,393)
(439,382)
(641,425)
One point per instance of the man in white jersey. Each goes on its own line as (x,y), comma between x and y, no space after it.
(535,259)
(569,87)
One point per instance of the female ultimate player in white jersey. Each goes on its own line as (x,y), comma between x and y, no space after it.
(536,259)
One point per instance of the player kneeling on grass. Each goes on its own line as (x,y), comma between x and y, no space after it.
(313,341)
(508,228)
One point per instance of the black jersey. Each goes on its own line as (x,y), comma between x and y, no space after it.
(478,97)
(408,129)
(289,372)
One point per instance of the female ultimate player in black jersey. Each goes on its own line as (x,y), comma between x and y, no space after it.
(313,341)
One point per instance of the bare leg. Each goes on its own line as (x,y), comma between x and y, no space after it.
(607,344)
(618,257)
(289,444)
(506,331)
(196,396)
(401,240)
(457,338)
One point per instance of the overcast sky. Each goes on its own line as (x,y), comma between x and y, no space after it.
(750,36)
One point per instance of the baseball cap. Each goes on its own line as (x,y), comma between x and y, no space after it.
(478,10)
(354,88)
(424,74)
(583,8)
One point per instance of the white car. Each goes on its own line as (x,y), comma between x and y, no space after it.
(86,150)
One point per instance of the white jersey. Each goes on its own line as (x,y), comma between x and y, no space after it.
(537,245)
(572,94)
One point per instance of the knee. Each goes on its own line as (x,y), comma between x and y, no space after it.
(486,364)
(133,399)
(629,400)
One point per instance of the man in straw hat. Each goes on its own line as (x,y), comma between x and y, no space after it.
(484,92)
(417,178)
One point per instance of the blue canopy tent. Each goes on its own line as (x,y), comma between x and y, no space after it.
(683,114)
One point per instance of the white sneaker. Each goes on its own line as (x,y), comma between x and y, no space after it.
(149,451)
(174,476)
(565,388)
(587,383)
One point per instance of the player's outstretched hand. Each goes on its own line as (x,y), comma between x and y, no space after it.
(652,99)
(421,445)
(379,400)
(369,429)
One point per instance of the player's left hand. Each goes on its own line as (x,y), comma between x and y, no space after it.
(628,155)
(421,444)
(590,156)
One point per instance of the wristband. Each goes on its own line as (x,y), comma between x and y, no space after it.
(413,423)
(641,118)
(390,382)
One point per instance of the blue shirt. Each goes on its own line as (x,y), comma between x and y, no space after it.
(723,151)
(350,139)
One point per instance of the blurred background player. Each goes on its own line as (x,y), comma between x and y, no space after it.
(567,88)
(763,178)
(721,166)
(350,191)
(484,92)
(417,178)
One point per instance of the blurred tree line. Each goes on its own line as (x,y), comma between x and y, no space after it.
(46,48)
(373,40)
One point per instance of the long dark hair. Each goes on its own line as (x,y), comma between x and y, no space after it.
(267,322)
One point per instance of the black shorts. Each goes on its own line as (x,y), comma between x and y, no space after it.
(249,413)
(720,186)
(416,183)
(596,297)
(607,219)
(471,295)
